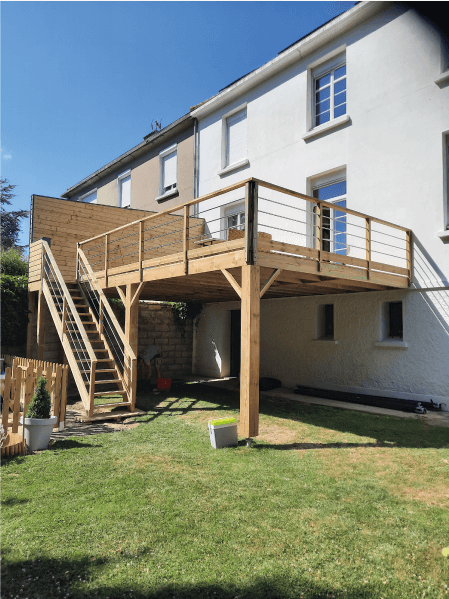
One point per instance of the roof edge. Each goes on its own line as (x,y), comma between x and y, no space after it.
(298,50)
(147,142)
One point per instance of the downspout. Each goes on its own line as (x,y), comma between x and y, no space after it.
(195,164)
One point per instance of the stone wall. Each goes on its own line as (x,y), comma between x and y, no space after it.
(157,327)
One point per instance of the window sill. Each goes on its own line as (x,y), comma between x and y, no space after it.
(444,236)
(326,340)
(168,194)
(443,78)
(341,120)
(233,167)
(391,344)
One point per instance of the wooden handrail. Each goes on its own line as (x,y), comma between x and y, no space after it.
(69,300)
(104,302)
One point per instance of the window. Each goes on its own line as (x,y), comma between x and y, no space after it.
(236,150)
(393,320)
(234,220)
(333,221)
(124,190)
(89,198)
(330,95)
(325,321)
(168,169)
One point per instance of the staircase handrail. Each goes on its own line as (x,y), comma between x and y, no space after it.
(68,299)
(104,300)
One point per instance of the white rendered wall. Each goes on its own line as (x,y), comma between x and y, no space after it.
(392,150)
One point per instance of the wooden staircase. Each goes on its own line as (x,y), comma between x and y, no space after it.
(102,363)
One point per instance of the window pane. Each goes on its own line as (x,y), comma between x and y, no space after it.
(322,81)
(323,106)
(395,317)
(340,244)
(91,198)
(340,72)
(323,118)
(328,192)
(329,320)
(340,99)
(340,86)
(339,110)
(324,94)
(236,137)
(170,163)
(125,192)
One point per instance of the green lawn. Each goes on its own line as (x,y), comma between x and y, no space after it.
(328,503)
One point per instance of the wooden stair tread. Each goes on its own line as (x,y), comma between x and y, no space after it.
(107,394)
(108,381)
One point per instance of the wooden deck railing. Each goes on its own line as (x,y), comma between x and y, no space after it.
(277,221)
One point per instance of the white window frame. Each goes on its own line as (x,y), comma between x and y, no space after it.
(84,197)
(225,167)
(329,69)
(387,342)
(174,191)
(236,208)
(120,178)
(316,69)
(335,175)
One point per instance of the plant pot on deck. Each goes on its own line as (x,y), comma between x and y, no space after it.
(38,431)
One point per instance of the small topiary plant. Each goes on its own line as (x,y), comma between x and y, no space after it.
(40,405)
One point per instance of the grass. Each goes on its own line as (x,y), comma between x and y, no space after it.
(328,503)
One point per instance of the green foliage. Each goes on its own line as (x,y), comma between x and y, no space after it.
(184,311)
(13,263)
(40,405)
(10,221)
(14,319)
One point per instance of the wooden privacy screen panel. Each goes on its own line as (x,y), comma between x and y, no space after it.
(66,223)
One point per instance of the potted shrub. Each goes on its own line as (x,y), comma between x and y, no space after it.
(38,423)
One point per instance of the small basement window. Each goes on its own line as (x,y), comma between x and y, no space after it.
(395,324)
(325,321)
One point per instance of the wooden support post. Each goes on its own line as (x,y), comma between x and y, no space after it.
(132,337)
(31,322)
(368,245)
(106,259)
(185,241)
(251,208)
(41,311)
(250,338)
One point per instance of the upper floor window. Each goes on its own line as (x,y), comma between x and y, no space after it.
(89,198)
(329,94)
(168,167)
(124,190)
(236,150)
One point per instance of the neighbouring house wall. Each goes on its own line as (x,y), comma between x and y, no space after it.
(145,177)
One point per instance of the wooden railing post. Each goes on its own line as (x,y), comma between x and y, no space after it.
(368,244)
(106,259)
(64,315)
(408,254)
(251,208)
(319,236)
(141,249)
(93,366)
(185,241)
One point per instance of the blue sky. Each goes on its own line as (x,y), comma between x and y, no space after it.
(82,81)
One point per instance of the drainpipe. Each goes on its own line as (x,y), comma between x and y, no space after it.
(195,164)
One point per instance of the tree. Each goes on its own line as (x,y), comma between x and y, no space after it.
(10,220)
(14,296)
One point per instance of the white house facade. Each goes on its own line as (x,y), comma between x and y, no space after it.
(357,114)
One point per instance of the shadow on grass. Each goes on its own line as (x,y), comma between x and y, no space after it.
(71,443)
(389,431)
(13,501)
(78,578)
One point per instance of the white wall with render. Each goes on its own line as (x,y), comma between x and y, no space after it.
(393,152)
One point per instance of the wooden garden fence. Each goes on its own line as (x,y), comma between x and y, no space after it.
(17,390)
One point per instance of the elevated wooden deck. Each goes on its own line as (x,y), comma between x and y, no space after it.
(286,244)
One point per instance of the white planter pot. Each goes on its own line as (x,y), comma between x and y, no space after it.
(38,431)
